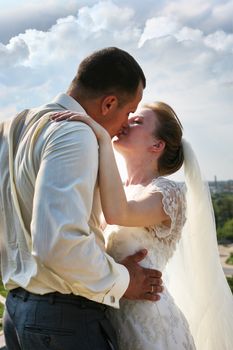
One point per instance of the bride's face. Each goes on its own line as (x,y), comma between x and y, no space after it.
(139,136)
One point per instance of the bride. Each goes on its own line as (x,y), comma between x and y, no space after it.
(195,309)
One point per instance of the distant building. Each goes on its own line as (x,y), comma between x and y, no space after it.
(221,186)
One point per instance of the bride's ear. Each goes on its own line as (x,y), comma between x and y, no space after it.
(108,104)
(158,146)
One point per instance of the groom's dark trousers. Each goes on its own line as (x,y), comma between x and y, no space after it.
(56,321)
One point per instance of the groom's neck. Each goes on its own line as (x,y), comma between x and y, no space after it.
(90,105)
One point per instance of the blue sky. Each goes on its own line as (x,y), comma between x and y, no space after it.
(184,47)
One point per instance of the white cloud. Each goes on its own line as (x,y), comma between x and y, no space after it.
(34,14)
(104,15)
(222,15)
(158,27)
(186,33)
(220,41)
(14,53)
(209,16)
(184,9)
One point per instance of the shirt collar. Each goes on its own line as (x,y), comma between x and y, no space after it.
(68,102)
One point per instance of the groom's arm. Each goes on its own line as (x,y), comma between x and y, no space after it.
(62,241)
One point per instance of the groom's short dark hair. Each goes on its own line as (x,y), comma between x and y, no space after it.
(108,71)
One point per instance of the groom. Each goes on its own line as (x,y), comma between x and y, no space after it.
(53,261)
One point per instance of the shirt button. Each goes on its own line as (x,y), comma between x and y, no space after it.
(112,299)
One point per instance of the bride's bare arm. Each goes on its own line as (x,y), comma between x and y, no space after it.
(147,210)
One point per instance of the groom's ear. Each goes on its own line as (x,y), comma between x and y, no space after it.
(108,104)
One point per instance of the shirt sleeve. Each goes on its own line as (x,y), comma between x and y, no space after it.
(63,197)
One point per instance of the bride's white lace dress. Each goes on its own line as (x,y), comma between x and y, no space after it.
(146,325)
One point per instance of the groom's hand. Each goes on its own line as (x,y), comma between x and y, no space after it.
(145,284)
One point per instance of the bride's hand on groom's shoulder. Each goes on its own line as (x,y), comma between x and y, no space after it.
(145,284)
(70,116)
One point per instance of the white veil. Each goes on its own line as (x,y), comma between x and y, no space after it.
(194,274)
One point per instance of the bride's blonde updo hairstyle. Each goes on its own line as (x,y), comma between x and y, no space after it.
(168,129)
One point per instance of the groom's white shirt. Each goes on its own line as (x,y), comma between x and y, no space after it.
(49,208)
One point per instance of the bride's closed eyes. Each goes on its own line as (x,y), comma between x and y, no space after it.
(135,120)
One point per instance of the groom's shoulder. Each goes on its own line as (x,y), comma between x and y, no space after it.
(63,131)
(75,128)
(63,128)
(72,133)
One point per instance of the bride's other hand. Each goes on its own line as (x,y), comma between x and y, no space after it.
(100,132)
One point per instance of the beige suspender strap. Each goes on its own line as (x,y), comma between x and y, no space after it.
(44,119)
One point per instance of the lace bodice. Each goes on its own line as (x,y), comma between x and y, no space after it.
(159,240)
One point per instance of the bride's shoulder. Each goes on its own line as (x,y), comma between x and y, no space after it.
(172,191)
(165,183)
